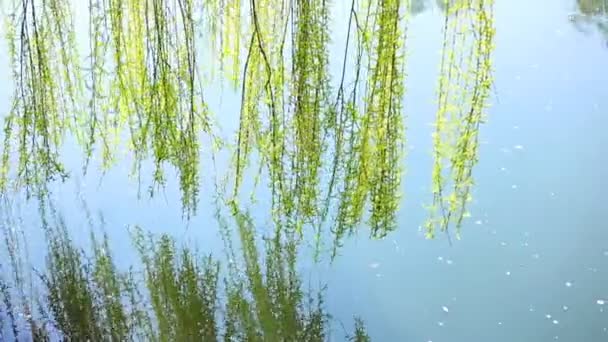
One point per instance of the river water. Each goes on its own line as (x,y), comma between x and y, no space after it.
(532,264)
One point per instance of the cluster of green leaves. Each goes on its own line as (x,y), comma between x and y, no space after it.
(464,85)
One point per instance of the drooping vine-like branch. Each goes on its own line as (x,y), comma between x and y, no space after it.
(464,87)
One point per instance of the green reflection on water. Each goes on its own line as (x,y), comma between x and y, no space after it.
(175,294)
(329,147)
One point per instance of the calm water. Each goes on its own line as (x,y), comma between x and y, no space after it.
(533,261)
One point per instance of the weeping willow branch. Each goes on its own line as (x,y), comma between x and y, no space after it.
(225,29)
(41,42)
(373,164)
(310,96)
(464,87)
(142,80)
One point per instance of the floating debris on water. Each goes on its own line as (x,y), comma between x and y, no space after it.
(374,265)
(508,273)
(514,186)
(548,316)
(568,284)
(479,222)
(565,307)
(449,262)
(440,324)
(518,147)
(536,255)
(445,309)
(440,258)
(555,322)
(600,302)
(503,243)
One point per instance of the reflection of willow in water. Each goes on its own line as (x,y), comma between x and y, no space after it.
(464,86)
(175,297)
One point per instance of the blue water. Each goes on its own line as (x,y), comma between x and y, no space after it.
(533,260)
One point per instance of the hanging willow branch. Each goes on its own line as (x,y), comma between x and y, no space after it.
(42,55)
(224,21)
(464,87)
(142,79)
(310,96)
(143,83)
(374,150)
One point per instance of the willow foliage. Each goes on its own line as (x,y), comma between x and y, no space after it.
(225,23)
(310,95)
(46,87)
(261,89)
(142,79)
(370,137)
(282,113)
(155,93)
(382,142)
(325,145)
(363,139)
(464,87)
